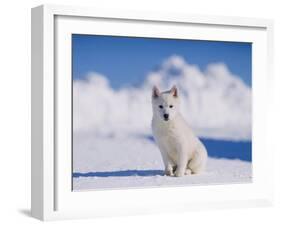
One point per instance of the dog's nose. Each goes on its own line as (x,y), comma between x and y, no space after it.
(166,116)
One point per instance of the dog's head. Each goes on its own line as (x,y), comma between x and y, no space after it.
(165,104)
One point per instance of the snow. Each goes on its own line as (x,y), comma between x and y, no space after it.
(126,162)
(111,127)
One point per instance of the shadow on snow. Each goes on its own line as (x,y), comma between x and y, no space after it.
(123,173)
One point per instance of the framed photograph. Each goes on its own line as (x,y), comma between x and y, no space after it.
(137,112)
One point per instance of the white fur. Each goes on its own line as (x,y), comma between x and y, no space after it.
(182,152)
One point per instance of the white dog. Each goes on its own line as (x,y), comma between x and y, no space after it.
(181,150)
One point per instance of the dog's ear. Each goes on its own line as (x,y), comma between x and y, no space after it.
(174,91)
(155,92)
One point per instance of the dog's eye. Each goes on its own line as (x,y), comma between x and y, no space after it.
(160,106)
(171,106)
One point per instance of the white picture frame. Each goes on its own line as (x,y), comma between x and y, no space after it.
(52,197)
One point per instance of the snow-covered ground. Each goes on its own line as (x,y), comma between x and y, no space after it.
(124,162)
(111,127)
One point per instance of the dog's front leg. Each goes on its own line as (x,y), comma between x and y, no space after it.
(168,164)
(169,169)
(181,163)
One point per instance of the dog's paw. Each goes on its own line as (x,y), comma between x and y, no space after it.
(188,172)
(169,173)
(179,173)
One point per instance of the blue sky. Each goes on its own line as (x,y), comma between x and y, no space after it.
(127,60)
